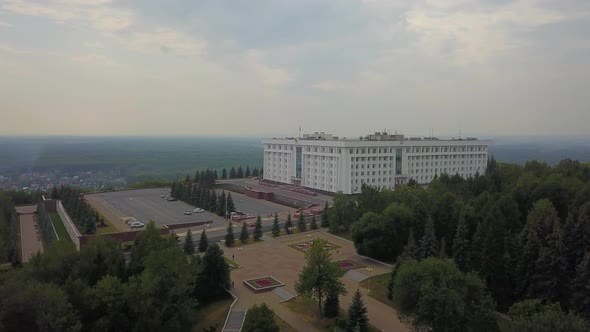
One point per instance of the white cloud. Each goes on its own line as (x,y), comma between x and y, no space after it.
(91,59)
(93,45)
(265,74)
(166,40)
(92,12)
(6,24)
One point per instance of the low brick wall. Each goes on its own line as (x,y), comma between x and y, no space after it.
(118,237)
(189,224)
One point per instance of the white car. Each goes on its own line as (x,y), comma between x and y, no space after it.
(130,221)
(199,210)
(136,224)
(187,212)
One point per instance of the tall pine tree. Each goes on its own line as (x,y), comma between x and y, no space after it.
(244,234)
(229,236)
(276,230)
(325,222)
(203,241)
(301,224)
(288,224)
(258,229)
(189,245)
(428,244)
(461,247)
(357,314)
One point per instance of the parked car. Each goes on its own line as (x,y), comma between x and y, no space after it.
(163,196)
(131,221)
(136,224)
(187,212)
(171,199)
(199,210)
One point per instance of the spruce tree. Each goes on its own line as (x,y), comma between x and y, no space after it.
(288,224)
(578,239)
(528,257)
(332,305)
(325,222)
(189,245)
(301,224)
(203,241)
(230,204)
(428,244)
(255,172)
(221,204)
(244,234)
(229,237)
(240,173)
(314,223)
(247,174)
(357,314)
(212,201)
(410,249)
(442,253)
(276,230)
(197,177)
(258,229)
(580,288)
(232,173)
(223,174)
(461,252)
(548,282)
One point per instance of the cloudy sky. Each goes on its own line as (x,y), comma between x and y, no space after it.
(264,67)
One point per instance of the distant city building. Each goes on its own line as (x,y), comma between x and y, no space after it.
(329,163)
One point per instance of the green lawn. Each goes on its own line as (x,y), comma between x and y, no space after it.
(378,287)
(213,314)
(108,228)
(307,309)
(62,233)
(232,264)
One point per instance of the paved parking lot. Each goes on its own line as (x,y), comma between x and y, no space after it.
(148,204)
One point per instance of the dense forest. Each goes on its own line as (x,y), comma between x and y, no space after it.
(525,230)
(159,289)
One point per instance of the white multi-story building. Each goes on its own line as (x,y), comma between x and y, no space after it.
(329,163)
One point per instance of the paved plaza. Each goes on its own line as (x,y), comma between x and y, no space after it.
(274,257)
(30,235)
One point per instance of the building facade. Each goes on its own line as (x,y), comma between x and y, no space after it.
(329,163)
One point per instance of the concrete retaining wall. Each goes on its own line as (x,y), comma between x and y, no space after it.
(69,224)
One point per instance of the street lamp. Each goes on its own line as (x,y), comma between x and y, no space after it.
(369,270)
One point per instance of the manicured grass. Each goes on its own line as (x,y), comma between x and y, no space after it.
(213,314)
(283,326)
(59,227)
(378,287)
(239,243)
(108,228)
(347,236)
(295,231)
(232,264)
(307,309)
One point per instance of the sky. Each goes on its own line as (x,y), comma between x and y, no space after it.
(268,67)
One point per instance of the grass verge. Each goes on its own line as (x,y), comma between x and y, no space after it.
(307,309)
(378,288)
(108,227)
(59,227)
(232,264)
(213,314)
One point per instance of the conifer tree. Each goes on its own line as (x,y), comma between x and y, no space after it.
(230,204)
(221,204)
(197,177)
(255,172)
(276,230)
(288,224)
(461,251)
(240,173)
(332,304)
(580,288)
(258,229)
(232,173)
(229,237)
(223,174)
(529,255)
(428,244)
(578,239)
(410,249)
(244,234)
(301,224)
(442,253)
(548,282)
(314,223)
(212,201)
(357,314)
(325,222)
(189,245)
(203,241)
(247,174)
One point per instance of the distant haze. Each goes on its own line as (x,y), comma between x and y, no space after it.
(264,68)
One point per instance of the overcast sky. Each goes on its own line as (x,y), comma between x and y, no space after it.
(262,68)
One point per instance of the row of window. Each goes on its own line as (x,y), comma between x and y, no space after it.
(444,163)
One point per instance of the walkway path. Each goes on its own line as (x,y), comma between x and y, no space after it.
(30,235)
(275,258)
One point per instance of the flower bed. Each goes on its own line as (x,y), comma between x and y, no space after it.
(304,246)
(263,284)
(348,265)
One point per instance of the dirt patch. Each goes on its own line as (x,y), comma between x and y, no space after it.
(109,214)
